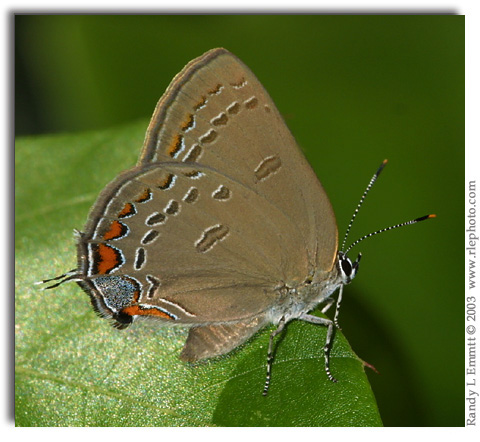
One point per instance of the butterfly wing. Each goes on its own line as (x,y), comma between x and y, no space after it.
(221,212)
(201,246)
(216,113)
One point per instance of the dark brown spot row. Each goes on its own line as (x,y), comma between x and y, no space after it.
(239,84)
(167,183)
(200,104)
(192,174)
(150,237)
(210,237)
(209,137)
(222,193)
(154,285)
(188,123)
(234,108)
(220,120)
(155,218)
(175,146)
(194,153)
(191,195)
(216,90)
(172,208)
(267,167)
(251,103)
(140,258)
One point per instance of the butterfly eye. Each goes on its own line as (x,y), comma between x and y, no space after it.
(346,268)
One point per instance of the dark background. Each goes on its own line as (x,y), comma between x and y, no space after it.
(354,90)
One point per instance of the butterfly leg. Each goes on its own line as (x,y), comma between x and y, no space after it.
(278,330)
(330,302)
(328,305)
(337,309)
(328,343)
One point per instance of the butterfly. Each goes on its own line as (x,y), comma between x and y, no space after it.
(222,226)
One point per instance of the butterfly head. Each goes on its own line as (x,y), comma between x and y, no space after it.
(347,269)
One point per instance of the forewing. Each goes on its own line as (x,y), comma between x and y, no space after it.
(217,114)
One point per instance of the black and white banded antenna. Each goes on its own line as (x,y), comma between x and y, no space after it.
(362,199)
(386,229)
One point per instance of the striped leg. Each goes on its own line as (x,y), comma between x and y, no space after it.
(278,330)
(337,309)
(328,343)
(330,302)
(327,306)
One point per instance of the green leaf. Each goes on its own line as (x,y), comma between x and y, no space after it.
(74,369)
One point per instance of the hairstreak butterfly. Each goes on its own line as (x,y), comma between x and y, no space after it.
(222,226)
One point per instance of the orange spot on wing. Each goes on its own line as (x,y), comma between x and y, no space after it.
(188,123)
(146,311)
(117,229)
(145,196)
(136,296)
(200,104)
(128,209)
(176,145)
(107,258)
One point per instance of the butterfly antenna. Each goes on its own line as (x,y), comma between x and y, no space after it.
(406,223)
(370,184)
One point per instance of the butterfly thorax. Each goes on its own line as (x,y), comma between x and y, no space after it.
(297,299)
